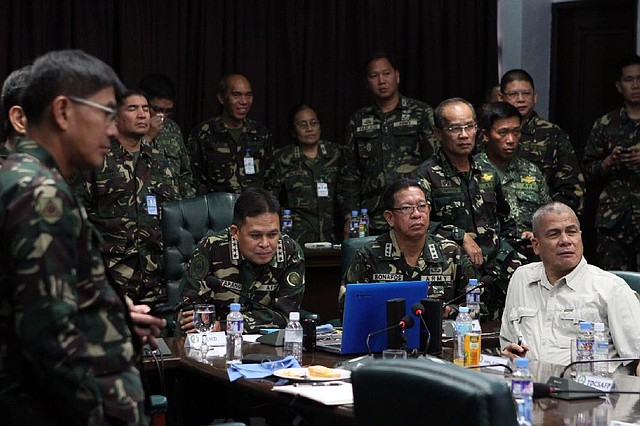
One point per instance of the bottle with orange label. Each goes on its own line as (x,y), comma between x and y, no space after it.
(472,348)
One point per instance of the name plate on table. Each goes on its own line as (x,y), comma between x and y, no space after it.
(604,384)
(194,340)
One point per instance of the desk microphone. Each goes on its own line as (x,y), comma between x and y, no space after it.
(404,324)
(418,310)
(484,282)
(216,285)
(545,390)
(590,361)
(164,309)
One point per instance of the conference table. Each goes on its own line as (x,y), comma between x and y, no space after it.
(199,390)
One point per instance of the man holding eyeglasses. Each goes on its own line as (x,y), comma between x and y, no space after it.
(231,152)
(384,142)
(408,252)
(68,344)
(522,181)
(468,205)
(543,143)
(124,198)
(165,133)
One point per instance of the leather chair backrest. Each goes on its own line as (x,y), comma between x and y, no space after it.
(423,391)
(184,224)
(349,248)
(631,277)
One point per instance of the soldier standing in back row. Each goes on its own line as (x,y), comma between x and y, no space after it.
(384,142)
(612,156)
(230,152)
(543,143)
(304,176)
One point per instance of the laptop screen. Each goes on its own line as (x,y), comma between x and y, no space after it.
(365,311)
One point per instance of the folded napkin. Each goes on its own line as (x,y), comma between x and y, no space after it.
(258,371)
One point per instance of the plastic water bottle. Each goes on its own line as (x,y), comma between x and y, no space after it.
(235,327)
(522,392)
(463,326)
(600,349)
(584,348)
(354,224)
(363,228)
(287,222)
(473,298)
(293,337)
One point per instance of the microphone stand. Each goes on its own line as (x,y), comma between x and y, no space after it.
(590,361)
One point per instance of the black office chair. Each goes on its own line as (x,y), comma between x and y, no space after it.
(184,224)
(348,250)
(631,277)
(423,391)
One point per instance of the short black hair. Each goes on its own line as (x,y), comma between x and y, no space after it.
(254,202)
(388,196)
(494,111)
(12,90)
(295,110)
(68,73)
(131,92)
(157,85)
(379,54)
(515,75)
(223,85)
(438,114)
(625,62)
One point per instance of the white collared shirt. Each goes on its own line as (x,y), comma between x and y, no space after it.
(547,316)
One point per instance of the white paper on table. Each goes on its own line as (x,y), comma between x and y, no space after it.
(327,395)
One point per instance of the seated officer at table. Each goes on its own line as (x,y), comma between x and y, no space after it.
(408,252)
(252,258)
(546,300)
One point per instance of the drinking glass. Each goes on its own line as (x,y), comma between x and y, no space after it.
(204,318)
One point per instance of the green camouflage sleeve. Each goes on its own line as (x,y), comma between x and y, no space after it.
(567,180)
(595,152)
(429,143)
(198,166)
(349,177)
(359,271)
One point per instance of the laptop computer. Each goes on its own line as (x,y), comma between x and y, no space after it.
(365,311)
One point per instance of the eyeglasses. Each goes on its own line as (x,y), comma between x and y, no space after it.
(526,94)
(110,112)
(457,130)
(406,210)
(311,123)
(158,110)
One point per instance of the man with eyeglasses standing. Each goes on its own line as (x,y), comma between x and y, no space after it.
(468,205)
(124,198)
(231,152)
(543,143)
(384,142)
(408,252)
(68,337)
(164,133)
(522,182)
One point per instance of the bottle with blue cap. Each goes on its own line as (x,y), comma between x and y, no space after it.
(522,392)
(235,327)
(287,222)
(473,298)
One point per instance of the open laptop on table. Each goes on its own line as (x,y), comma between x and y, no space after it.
(365,311)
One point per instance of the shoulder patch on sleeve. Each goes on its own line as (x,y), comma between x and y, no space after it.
(199,266)
(294,279)
(50,208)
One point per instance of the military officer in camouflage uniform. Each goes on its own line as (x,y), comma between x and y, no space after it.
(467,202)
(249,262)
(543,143)
(67,348)
(13,117)
(522,182)
(230,152)
(408,252)
(304,176)
(164,133)
(384,141)
(124,199)
(612,158)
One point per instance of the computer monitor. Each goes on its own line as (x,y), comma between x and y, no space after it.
(365,312)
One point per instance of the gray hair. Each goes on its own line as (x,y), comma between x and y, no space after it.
(554,207)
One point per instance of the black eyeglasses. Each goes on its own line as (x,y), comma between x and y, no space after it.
(158,110)
(406,210)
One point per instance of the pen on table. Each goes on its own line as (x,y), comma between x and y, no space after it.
(319,384)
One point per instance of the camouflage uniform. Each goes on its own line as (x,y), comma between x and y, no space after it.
(67,353)
(618,214)
(217,160)
(170,141)
(487,218)
(442,262)
(548,147)
(279,284)
(117,203)
(294,177)
(382,147)
(4,153)
(524,188)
